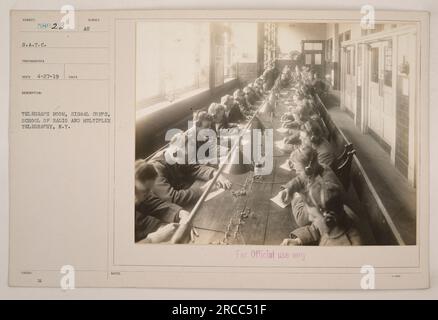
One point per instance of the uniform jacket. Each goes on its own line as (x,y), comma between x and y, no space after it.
(299,211)
(250,97)
(325,153)
(152,213)
(300,183)
(175,181)
(241,103)
(235,115)
(316,234)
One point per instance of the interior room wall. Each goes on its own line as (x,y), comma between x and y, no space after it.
(289,35)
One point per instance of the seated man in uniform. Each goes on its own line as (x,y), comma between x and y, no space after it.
(202,122)
(302,113)
(217,112)
(250,95)
(239,99)
(155,219)
(259,82)
(232,110)
(333,223)
(293,119)
(312,135)
(178,181)
(258,90)
(305,162)
(220,120)
(268,77)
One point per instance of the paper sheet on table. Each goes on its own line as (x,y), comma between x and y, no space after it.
(277,200)
(213,194)
(285,166)
(282,130)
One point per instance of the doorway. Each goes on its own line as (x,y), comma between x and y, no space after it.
(349,85)
(381,107)
(313,55)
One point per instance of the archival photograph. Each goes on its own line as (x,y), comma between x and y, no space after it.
(276,133)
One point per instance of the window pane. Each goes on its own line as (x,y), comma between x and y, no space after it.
(317,46)
(244,42)
(388,66)
(179,56)
(308,59)
(172,58)
(318,58)
(375,65)
(148,61)
(228,62)
(308,46)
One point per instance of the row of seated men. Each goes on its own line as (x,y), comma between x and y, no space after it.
(316,195)
(164,190)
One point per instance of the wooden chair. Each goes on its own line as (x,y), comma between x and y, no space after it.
(341,158)
(343,170)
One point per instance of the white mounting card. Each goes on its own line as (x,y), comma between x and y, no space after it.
(92,91)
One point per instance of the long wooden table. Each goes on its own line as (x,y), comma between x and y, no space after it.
(265,223)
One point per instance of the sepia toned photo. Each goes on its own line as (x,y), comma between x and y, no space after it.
(276,133)
(250,149)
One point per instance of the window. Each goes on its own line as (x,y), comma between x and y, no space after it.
(313,52)
(237,44)
(348,61)
(308,46)
(317,46)
(229,66)
(171,59)
(244,42)
(388,65)
(347,35)
(318,58)
(308,59)
(375,65)
(312,46)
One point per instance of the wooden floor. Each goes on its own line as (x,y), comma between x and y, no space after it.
(251,218)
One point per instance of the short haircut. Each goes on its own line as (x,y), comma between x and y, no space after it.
(313,128)
(225,99)
(304,155)
(237,92)
(202,116)
(145,171)
(214,108)
(327,196)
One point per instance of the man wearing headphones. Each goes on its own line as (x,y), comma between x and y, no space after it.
(155,220)
(305,163)
(333,223)
(312,135)
(232,110)
(178,181)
